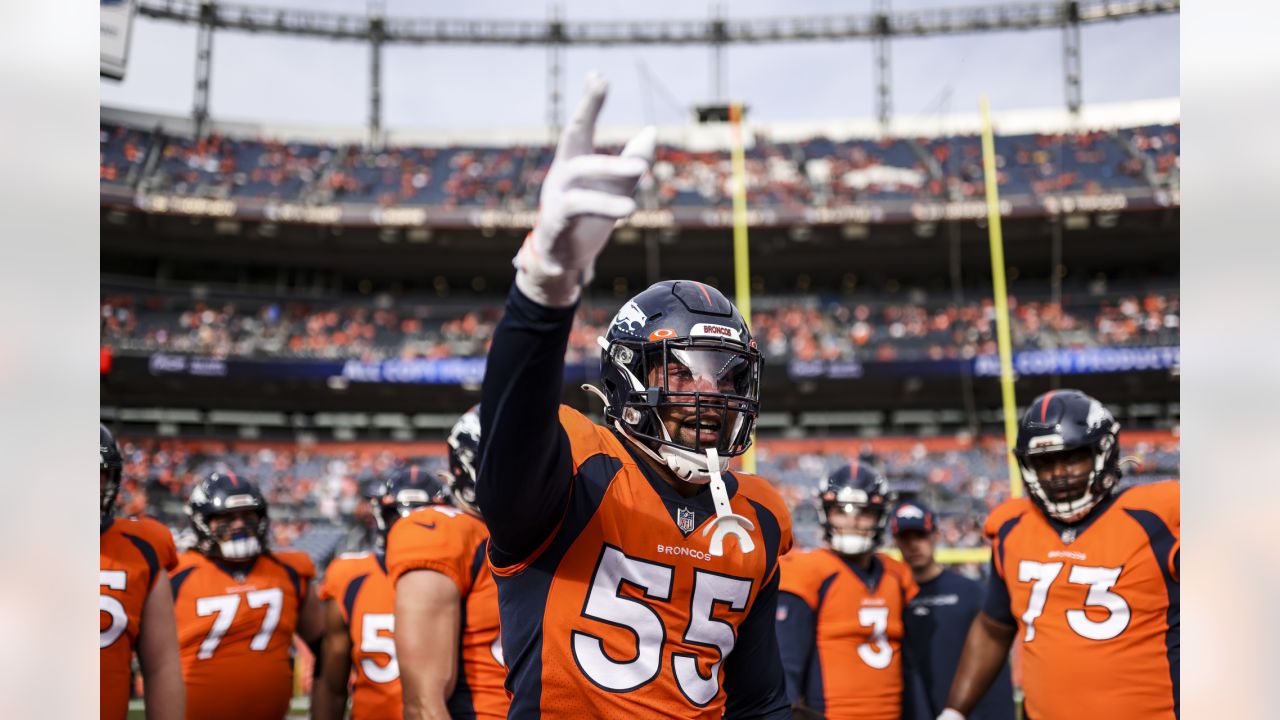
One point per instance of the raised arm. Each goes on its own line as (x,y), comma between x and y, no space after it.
(525,468)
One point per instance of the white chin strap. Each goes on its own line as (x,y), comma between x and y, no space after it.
(850,543)
(726,522)
(240,548)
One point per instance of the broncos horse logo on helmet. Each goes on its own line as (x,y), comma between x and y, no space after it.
(680,373)
(1058,425)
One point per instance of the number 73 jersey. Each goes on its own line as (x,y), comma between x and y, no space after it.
(1096,604)
(235,631)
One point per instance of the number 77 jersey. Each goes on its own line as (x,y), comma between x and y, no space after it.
(235,631)
(1096,604)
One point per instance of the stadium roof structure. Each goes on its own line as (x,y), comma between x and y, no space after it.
(879,27)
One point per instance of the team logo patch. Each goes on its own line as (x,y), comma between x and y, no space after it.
(684,520)
(630,319)
(910,511)
(1068,536)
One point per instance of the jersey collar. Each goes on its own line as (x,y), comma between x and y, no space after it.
(701,504)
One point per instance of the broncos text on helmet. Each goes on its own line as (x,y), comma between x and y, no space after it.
(221,495)
(1060,425)
(853,490)
(680,373)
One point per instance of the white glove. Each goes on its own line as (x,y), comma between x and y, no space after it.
(583,196)
(951,714)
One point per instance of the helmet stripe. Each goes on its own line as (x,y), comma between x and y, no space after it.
(1044,408)
(235,482)
(706,295)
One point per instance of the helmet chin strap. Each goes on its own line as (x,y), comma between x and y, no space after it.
(726,522)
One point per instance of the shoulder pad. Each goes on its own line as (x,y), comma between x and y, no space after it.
(1005,512)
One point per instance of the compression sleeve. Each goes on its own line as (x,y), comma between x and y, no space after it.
(797,630)
(753,680)
(526,466)
(998,605)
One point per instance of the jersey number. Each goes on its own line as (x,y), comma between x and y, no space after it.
(371,641)
(114,580)
(876,652)
(1099,581)
(225,607)
(606,604)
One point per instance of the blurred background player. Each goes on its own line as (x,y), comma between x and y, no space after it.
(135,605)
(359,610)
(615,602)
(446,602)
(1088,577)
(238,605)
(840,608)
(939,616)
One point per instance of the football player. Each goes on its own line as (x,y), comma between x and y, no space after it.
(840,608)
(1087,576)
(239,604)
(446,603)
(637,576)
(359,610)
(135,606)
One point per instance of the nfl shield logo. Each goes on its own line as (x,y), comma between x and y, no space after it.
(684,520)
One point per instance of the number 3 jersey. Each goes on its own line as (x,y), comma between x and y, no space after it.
(133,555)
(625,613)
(840,631)
(358,582)
(235,631)
(443,539)
(1096,604)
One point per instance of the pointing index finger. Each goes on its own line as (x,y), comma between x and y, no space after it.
(578,137)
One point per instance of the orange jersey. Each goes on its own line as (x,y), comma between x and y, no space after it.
(840,631)
(132,554)
(235,632)
(625,613)
(358,582)
(446,540)
(1096,604)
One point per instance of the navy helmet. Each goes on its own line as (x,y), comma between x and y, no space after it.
(464,458)
(111,470)
(223,493)
(405,489)
(1062,422)
(681,350)
(854,489)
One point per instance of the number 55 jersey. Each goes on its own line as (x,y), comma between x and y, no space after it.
(1095,604)
(235,631)
(625,612)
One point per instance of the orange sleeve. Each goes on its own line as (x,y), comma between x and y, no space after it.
(434,539)
(759,490)
(905,579)
(299,561)
(798,576)
(161,540)
(1006,511)
(335,579)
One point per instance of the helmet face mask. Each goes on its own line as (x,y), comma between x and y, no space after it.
(681,374)
(1068,452)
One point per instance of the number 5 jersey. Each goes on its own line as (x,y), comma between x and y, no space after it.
(1095,603)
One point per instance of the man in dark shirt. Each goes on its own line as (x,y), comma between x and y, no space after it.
(938,618)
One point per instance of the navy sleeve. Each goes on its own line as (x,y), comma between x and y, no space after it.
(797,628)
(753,680)
(526,466)
(998,606)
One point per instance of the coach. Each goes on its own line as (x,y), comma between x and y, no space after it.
(938,618)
